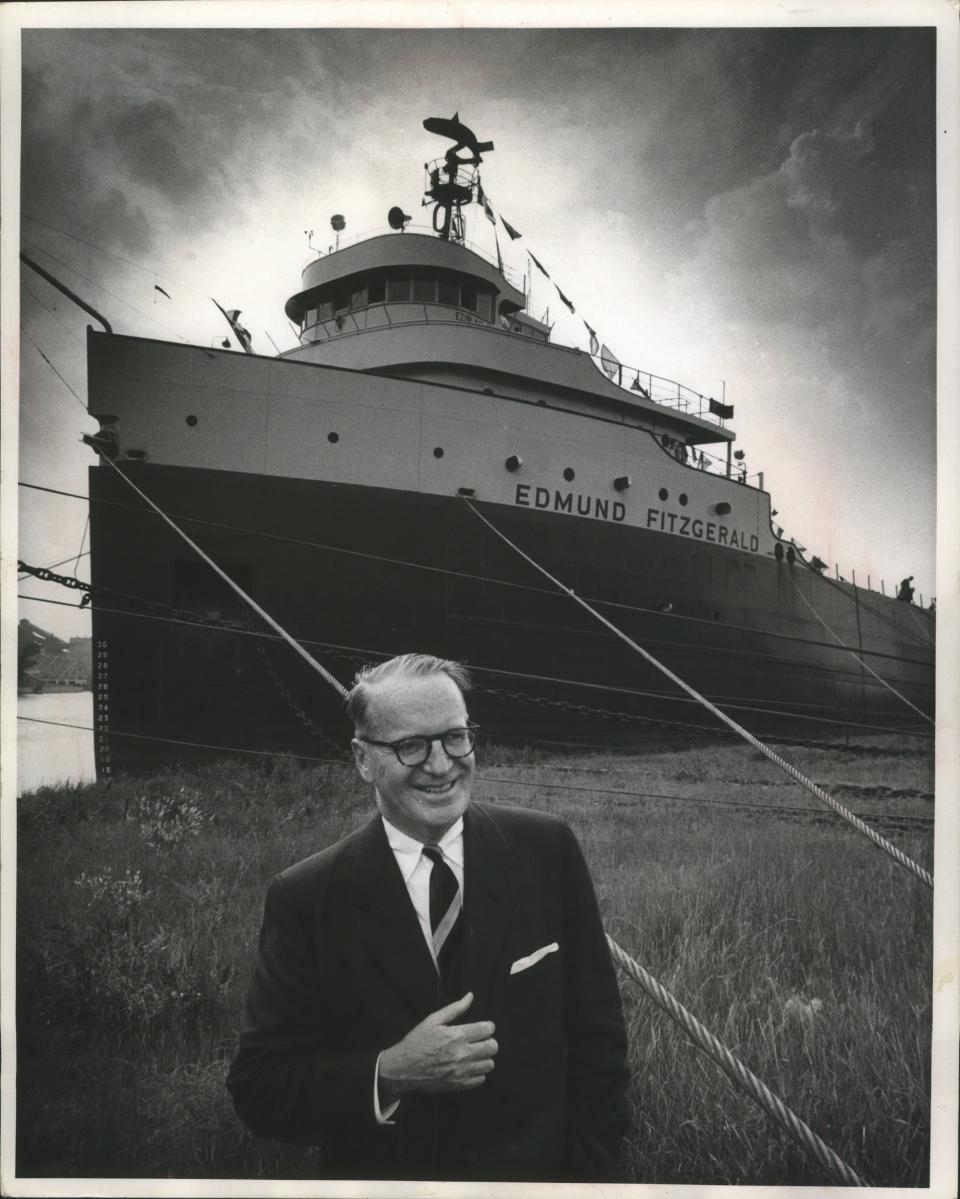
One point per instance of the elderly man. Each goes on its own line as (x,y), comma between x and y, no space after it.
(433,996)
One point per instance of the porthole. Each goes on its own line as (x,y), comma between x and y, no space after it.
(438,451)
(333,438)
(191,420)
(663,493)
(569,473)
(683,499)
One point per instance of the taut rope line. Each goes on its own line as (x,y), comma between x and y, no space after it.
(923,632)
(862,826)
(265,616)
(735,1070)
(857,658)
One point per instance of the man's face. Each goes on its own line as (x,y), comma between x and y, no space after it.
(422,801)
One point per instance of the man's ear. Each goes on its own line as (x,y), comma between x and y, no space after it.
(361,756)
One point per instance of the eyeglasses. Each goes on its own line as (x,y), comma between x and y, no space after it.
(414,751)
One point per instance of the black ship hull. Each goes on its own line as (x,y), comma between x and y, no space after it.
(359,573)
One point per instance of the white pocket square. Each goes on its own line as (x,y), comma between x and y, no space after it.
(532,958)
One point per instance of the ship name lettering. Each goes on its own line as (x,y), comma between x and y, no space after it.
(686,526)
(528,496)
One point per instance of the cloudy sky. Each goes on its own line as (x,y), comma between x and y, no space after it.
(748,207)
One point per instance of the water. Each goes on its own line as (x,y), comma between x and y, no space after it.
(46,754)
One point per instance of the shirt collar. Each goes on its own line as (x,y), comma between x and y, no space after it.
(408,850)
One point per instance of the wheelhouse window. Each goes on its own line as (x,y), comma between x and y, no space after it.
(398,289)
(419,286)
(424,288)
(448,292)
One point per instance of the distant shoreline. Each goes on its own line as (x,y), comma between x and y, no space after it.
(51,689)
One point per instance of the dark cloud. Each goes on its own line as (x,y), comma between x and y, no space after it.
(154,142)
(62,180)
(807,247)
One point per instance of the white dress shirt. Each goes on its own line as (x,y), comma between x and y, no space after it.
(415,869)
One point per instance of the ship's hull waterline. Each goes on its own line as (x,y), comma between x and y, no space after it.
(359,572)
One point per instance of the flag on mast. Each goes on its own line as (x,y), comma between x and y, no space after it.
(724,411)
(609,362)
(487,208)
(564,299)
(233,320)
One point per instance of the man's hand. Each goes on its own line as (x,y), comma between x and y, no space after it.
(437,1055)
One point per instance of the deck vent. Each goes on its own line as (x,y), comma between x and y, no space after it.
(622,482)
(468,493)
(514,462)
(721,509)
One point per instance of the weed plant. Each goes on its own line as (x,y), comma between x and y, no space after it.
(139,904)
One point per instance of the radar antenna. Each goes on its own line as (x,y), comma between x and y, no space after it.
(453,184)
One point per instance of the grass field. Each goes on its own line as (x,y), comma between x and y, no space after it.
(139,904)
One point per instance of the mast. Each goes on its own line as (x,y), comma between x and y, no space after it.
(454,183)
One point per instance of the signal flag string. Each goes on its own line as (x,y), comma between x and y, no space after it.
(898,856)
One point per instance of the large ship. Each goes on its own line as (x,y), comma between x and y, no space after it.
(367,489)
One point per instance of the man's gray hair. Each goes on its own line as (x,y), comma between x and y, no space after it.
(409,665)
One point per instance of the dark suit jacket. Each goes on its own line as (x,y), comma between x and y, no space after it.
(343,971)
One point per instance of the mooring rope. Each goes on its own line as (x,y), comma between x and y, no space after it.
(784,765)
(735,1070)
(857,658)
(252,603)
(923,632)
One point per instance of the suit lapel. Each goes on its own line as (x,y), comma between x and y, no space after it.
(491,884)
(386,922)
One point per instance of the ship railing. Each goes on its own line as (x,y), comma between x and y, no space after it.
(668,393)
(512,277)
(697,458)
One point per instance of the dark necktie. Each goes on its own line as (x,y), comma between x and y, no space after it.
(445,905)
